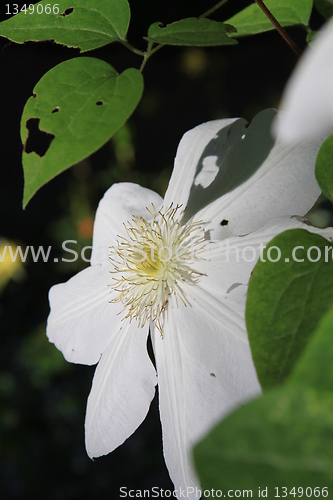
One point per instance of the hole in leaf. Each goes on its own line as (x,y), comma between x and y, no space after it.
(55,110)
(224,222)
(67,12)
(34,96)
(37,141)
(99,103)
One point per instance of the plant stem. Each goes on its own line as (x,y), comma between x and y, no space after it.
(146,56)
(213,9)
(133,49)
(279,28)
(155,49)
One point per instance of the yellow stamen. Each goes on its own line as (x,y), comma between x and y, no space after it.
(153,262)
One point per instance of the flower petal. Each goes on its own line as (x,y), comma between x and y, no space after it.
(82,320)
(229,262)
(205,141)
(308,97)
(122,390)
(117,206)
(240,177)
(285,184)
(203,373)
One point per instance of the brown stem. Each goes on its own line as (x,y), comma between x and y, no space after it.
(279,28)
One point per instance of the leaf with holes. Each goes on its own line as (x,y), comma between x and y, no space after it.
(324,168)
(75,109)
(286,299)
(285,437)
(84,24)
(252,20)
(192,32)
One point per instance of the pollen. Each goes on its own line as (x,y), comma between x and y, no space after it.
(153,261)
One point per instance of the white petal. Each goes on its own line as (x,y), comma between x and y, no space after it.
(308,97)
(82,320)
(222,289)
(117,206)
(204,372)
(193,148)
(225,171)
(122,390)
(326,233)
(285,184)
(229,262)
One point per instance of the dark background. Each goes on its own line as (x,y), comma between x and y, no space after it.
(43,398)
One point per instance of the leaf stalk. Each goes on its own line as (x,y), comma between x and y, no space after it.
(279,28)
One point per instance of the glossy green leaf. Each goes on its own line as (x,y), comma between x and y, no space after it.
(324,168)
(85,24)
(192,32)
(75,109)
(252,20)
(286,299)
(282,440)
(325,7)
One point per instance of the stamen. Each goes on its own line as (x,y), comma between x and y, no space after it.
(153,262)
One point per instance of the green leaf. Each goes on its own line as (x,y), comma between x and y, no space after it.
(252,20)
(325,7)
(191,31)
(75,109)
(84,24)
(311,36)
(315,368)
(283,440)
(324,168)
(286,299)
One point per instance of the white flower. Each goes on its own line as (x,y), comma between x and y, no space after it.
(308,97)
(179,269)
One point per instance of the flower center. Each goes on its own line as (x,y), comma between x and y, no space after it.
(154,261)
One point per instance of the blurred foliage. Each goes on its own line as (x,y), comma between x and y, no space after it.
(50,362)
(9,268)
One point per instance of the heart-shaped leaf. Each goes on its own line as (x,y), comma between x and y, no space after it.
(76,107)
